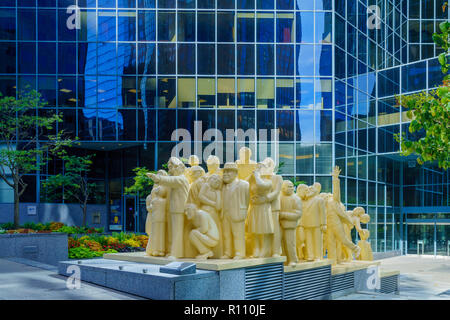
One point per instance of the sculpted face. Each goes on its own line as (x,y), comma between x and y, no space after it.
(245,154)
(229,175)
(287,188)
(176,167)
(314,190)
(197,172)
(302,190)
(215,181)
(213,163)
(190,211)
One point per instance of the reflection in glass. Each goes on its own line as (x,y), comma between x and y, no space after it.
(147,58)
(129,89)
(305,126)
(225,59)
(324,94)
(246,58)
(304,158)
(126,25)
(206,88)
(305,92)
(206,26)
(265,89)
(166,26)
(186,59)
(285,27)
(246,92)
(186,26)
(225,27)
(285,60)
(304,22)
(324,158)
(265,59)
(67,92)
(305,60)
(285,93)
(46,58)
(186,92)
(225,92)
(166,93)
(245,27)
(166,58)
(206,59)
(264,27)
(147,92)
(108,63)
(46,25)
(285,125)
(126,58)
(146,26)
(47,88)
(106,25)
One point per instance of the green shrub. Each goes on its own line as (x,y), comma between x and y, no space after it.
(7,226)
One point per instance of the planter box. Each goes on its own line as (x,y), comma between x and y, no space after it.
(49,248)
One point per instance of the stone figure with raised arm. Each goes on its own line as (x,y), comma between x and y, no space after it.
(274,199)
(235,198)
(260,222)
(313,220)
(157,206)
(210,199)
(290,214)
(179,190)
(245,165)
(335,230)
(204,236)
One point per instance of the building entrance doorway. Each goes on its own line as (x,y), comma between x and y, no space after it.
(130,214)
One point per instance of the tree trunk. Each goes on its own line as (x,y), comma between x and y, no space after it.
(16,207)
(84,214)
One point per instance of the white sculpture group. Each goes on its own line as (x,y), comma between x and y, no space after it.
(245,210)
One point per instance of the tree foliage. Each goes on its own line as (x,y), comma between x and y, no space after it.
(430,114)
(142,184)
(73,184)
(25,140)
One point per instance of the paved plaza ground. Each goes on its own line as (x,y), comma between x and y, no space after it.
(422,277)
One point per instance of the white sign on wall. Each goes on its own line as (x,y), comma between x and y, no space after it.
(31,210)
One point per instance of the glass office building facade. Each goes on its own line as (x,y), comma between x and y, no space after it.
(128,73)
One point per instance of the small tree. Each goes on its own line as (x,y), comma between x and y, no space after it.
(142,184)
(73,184)
(24,143)
(430,114)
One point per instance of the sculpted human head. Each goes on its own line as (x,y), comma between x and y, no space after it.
(287,188)
(359,211)
(230,172)
(190,211)
(245,154)
(269,166)
(302,190)
(215,181)
(197,172)
(176,166)
(314,190)
(213,163)
(193,161)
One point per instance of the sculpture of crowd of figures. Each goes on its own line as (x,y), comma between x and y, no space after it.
(244,210)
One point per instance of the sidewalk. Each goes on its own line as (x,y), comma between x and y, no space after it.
(421,278)
(23,282)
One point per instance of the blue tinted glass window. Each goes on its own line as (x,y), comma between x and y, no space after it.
(264,4)
(305,4)
(8,3)
(285,59)
(26,3)
(106,26)
(87,58)
(127,26)
(414,77)
(47,88)
(305,126)
(339,63)
(67,91)
(206,4)
(324,126)
(26,22)
(324,60)
(305,20)
(7,24)
(106,3)
(265,59)
(46,3)
(147,58)
(87,30)
(166,58)
(305,60)
(324,4)
(265,119)
(305,92)
(225,27)
(167,98)
(225,59)
(166,3)
(27,57)
(47,24)
(107,92)
(186,26)
(166,26)
(126,3)
(108,123)
(67,26)
(285,93)
(246,58)
(225,4)
(285,123)
(245,4)
(186,3)
(126,58)
(388,82)
(285,4)
(126,125)
(206,27)
(146,3)
(435,75)
(146,26)
(8,86)
(129,89)
(285,27)
(324,94)
(351,40)
(351,11)
(107,64)
(47,58)
(186,59)
(245,27)
(339,93)
(324,23)
(264,27)
(206,59)
(147,92)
